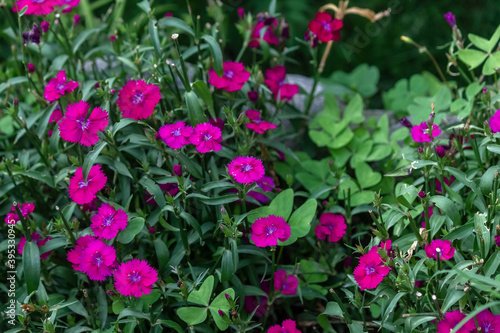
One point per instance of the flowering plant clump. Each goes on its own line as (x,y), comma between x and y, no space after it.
(212,168)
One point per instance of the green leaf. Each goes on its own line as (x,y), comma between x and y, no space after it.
(118,306)
(171,324)
(162,253)
(155,190)
(196,115)
(354,110)
(355,327)
(480,42)
(452,296)
(449,208)
(134,226)
(202,296)
(486,181)
(282,205)
(153,32)
(312,271)
(82,37)
(144,5)
(227,266)
(220,303)
(12,82)
(102,306)
(332,309)
(216,54)
(492,64)
(91,157)
(127,62)
(133,314)
(31,265)
(174,22)
(300,221)
(472,58)
(366,176)
(203,92)
(23,11)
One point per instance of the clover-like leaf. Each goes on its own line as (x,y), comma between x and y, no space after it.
(202,296)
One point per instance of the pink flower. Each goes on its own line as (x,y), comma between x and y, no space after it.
(440,151)
(55,116)
(252,114)
(488,322)
(253,96)
(74,255)
(137,99)
(135,278)
(420,133)
(331,225)
(176,135)
(233,78)
(275,80)
(287,284)
(451,319)
(177,169)
(443,247)
(11,218)
(325,28)
(35,237)
(287,326)
(495,122)
(25,208)
(497,239)
(260,126)
(97,260)
(241,13)
(36,7)
(266,231)
(71,3)
(108,221)
(31,68)
(58,87)
(206,138)
(370,271)
(45,26)
(82,191)
(387,246)
(266,184)
(269,37)
(246,169)
(217,122)
(79,127)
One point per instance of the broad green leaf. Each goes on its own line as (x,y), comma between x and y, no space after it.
(312,271)
(220,303)
(203,92)
(153,32)
(354,110)
(492,64)
(480,42)
(332,309)
(162,253)
(472,58)
(300,221)
(82,37)
(133,314)
(134,226)
(449,208)
(144,5)
(174,22)
(31,265)
(12,82)
(195,111)
(452,296)
(366,176)
(216,54)
(202,296)
(486,181)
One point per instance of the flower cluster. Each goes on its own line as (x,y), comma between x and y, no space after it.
(287,326)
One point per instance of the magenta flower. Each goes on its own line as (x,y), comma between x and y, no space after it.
(233,78)
(451,319)
(74,255)
(176,135)
(331,225)
(31,68)
(286,283)
(137,99)
(266,184)
(246,169)
(38,241)
(497,239)
(36,7)
(25,208)
(97,260)
(135,278)
(11,218)
(325,28)
(45,26)
(108,221)
(217,122)
(488,322)
(81,191)
(440,151)
(495,122)
(443,247)
(55,116)
(241,13)
(260,126)
(206,138)
(58,87)
(450,19)
(275,80)
(79,127)
(266,231)
(370,271)
(177,169)
(420,133)
(287,326)
(269,37)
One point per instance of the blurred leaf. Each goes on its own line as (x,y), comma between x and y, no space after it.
(216,54)
(196,115)
(153,32)
(144,5)
(472,58)
(174,22)
(31,265)
(82,37)
(203,92)
(134,226)
(91,157)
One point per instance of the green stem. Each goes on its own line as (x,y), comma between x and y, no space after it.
(66,226)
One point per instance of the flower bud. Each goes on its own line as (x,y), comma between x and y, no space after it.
(112,38)
(31,67)
(76,19)
(421,194)
(177,170)
(241,13)
(45,26)
(253,96)
(440,151)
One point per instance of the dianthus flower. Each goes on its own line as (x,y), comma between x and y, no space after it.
(325,28)
(387,246)
(258,125)
(451,319)
(246,169)
(275,80)
(25,208)
(331,225)
(36,7)
(370,271)
(11,218)
(287,326)
(266,184)
(287,284)
(420,133)
(233,78)
(269,37)
(56,115)
(79,127)
(32,35)
(495,122)
(443,247)
(450,19)
(488,322)
(97,260)
(137,99)
(176,135)
(82,191)
(45,26)
(38,241)
(74,255)
(206,138)
(108,221)
(135,278)
(58,87)
(447,181)
(266,231)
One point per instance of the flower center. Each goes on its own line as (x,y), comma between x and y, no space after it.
(270,230)
(134,277)
(98,259)
(438,250)
(326,26)
(37,1)
(83,123)
(370,269)
(487,327)
(207,137)
(138,97)
(176,132)
(60,86)
(330,227)
(229,74)
(107,221)
(246,167)
(82,183)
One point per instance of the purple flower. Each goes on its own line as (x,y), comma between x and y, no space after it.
(253,96)
(45,26)
(440,151)
(177,170)
(497,240)
(450,19)
(286,283)
(32,35)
